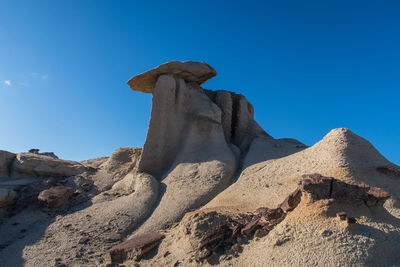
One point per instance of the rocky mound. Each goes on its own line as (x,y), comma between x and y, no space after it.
(209,187)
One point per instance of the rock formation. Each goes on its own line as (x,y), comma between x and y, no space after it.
(190,71)
(209,187)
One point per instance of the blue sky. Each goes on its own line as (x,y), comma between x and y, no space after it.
(306,66)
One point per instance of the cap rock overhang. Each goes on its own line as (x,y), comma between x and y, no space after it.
(190,71)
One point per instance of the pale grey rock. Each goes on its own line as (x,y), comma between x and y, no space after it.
(114,168)
(186,149)
(238,122)
(224,101)
(190,71)
(266,148)
(35,165)
(49,154)
(236,151)
(6,196)
(94,163)
(6,159)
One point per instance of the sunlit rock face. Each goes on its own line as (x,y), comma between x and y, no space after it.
(190,71)
(179,104)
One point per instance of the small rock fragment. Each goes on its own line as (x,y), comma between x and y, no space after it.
(202,254)
(214,235)
(342,215)
(291,201)
(133,249)
(351,220)
(261,233)
(236,248)
(83,240)
(250,227)
(326,233)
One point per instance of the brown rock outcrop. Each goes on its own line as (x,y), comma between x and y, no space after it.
(231,230)
(226,235)
(321,187)
(133,249)
(56,196)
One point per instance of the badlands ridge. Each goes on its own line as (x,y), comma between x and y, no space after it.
(209,187)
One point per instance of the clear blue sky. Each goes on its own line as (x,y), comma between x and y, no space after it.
(307,67)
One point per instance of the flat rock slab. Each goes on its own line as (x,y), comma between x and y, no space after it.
(190,71)
(35,165)
(133,249)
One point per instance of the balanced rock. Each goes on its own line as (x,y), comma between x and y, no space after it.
(190,71)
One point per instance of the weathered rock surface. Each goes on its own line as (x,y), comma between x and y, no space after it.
(390,170)
(340,153)
(6,159)
(133,249)
(35,165)
(190,71)
(6,197)
(320,187)
(237,118)
(112,169)
(56,196)
(184,119)
(36,151)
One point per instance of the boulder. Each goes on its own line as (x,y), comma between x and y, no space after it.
(6,196)
(190,71)
(6,159)
(56,196)
(35,165)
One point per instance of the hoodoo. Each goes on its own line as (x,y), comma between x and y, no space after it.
(209,187)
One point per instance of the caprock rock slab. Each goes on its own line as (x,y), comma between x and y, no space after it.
(190,71)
